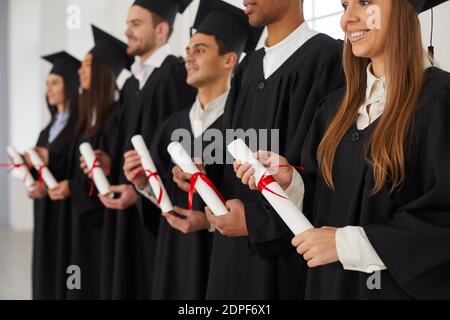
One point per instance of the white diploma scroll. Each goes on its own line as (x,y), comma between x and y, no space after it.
(98,175)
(38,164)
(209,196)
(149,166)
(286,209)
(21,171)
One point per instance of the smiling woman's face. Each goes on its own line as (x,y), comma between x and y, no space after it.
(366,25)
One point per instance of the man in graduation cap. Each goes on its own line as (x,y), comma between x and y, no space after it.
(156,89)
(184,242)
(275,88)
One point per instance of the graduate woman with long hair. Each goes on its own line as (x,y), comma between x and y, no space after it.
(50,227)
(376,165)
(98,74)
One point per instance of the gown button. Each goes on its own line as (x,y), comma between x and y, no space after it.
(261,86)
(355,137)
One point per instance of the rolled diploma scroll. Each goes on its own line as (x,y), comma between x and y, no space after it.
(98,175)
(286,209)
(22,171)
(149,166)
(47,176)
(212,200)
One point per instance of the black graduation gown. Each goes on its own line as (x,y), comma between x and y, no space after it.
(51,222)
(410,228)
(182,260)
(131,244)
(264,265)
(87,216)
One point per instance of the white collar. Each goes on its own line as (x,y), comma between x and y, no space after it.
(202,118)
(277,55)
(373,81)
(299,36)
(142,71)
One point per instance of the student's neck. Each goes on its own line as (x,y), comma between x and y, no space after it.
(378,67)
(209,93)
(144,57)
(61,108)
(281,29)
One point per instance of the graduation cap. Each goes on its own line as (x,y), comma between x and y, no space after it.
(229,24)
(422,6)
(166,9)
(110,50)
(65,66)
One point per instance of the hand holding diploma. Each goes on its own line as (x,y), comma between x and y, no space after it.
(152,175)
(44,172)
(270,189)
(95,170)
(19,168)
(104,162)
(204,187)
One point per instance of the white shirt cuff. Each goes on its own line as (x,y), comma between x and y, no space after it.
(355,251)
(296,190)
(147,193)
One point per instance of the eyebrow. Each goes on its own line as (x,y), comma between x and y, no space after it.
(198,45)
(134,20)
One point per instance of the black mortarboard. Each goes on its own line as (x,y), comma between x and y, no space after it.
(166,9)
(229,24)
(110,50)
(65,66)
(424,5)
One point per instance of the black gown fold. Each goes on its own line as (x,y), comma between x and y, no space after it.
(182,260)
(51,236)
(129,236)
(87,219)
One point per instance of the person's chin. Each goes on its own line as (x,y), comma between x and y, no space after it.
(360,52)
(255,21)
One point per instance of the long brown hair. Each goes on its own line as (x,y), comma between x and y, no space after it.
(404,75)
(99,99)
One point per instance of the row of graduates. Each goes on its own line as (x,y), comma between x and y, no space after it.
(126,249)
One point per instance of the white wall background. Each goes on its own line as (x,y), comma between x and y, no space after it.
(38,27)
(3,110)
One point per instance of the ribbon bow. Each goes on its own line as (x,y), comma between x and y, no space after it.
(268,179)
(194,179)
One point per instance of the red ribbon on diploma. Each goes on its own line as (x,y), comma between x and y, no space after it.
(194,179)
(10,166)
(150,174)
(268,179)
(40,178)
(95,164)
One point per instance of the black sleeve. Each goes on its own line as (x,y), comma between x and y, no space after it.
(415,244)
(267,231)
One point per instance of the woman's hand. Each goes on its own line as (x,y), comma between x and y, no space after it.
(60,192)
(104,161)
(276,165)
(317,246)
(134,172)
(39,191)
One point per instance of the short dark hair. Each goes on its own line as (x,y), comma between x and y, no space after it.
(157,19)
(223,47)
